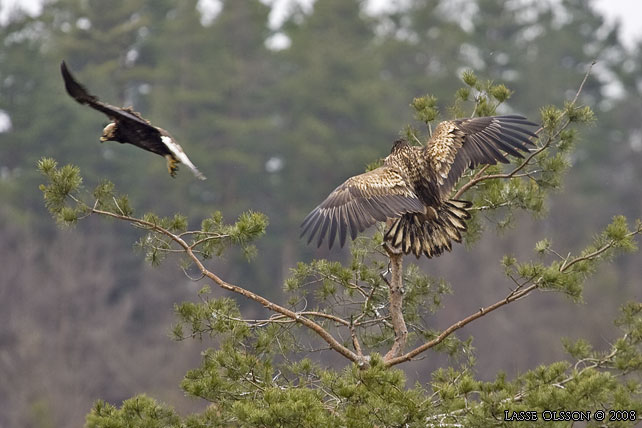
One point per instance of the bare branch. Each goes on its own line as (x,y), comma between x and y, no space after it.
(516,294)
(565,266)
(190,276)
(320,331)
(459,324)
(396,303)
(366,303)
(209,238)
(586,76)
(330,317)
(355,340)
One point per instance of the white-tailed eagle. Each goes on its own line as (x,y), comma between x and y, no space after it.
(413,186)
(128,126)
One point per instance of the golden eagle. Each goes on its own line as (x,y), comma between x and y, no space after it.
(413,186)
(128,126)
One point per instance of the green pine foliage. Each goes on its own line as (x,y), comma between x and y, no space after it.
(315,111)
(139,411)
(68,201)
(245,389)
(568,273)
(264,372)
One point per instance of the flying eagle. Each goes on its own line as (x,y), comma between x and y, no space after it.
(413,186)
(128,126)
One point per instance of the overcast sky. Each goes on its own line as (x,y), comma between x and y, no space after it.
(627,11)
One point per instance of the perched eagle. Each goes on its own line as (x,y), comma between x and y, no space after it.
(128,126)
(413,186)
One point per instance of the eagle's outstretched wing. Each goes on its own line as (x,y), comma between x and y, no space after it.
(148,137)
(360,202)
(80,94)
(458,144)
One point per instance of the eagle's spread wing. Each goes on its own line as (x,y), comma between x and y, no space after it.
(360,202)
(147,136)
(80,94)
(458,144)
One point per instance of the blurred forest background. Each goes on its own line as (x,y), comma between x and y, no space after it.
(276,117)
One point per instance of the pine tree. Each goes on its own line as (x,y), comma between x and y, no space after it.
(68,298)
(266,370)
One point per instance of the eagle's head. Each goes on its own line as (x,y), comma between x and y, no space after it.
(399,145)
(109,133)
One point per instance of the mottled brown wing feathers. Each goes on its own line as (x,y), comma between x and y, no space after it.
(360,202)
(463,143)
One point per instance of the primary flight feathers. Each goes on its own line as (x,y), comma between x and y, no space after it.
(128,126)
(414,183)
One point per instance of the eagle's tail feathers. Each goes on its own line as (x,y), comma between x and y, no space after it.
(180,155)
(419,234)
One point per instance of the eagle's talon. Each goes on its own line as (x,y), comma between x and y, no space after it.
(171,166)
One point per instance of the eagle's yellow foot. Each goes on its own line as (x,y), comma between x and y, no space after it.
(171,165)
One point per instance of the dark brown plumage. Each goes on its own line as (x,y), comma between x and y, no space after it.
(128,126)
(413,186)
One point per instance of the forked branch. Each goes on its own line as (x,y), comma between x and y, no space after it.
(521,291)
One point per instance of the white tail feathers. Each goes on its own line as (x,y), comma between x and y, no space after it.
(178,152)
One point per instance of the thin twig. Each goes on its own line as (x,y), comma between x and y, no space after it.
(355,341)
(586,75)
(190,276)
(209,238)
